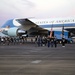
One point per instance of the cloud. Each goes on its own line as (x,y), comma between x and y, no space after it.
(36,8)
(57,8)
(16,6)
(15,9)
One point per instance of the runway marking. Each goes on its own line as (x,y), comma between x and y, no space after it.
(36,61)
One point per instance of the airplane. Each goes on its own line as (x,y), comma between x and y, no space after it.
(33,27)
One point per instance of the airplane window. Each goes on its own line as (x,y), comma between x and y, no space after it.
(36,22)
(65,21)
(50,22)
(73,20)
(46,21)
(40,22)
(68,20)
(43,22)
(62,21)
(59,21)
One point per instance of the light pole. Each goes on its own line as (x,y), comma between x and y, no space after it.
(51,31)
(63,39)
(63,30)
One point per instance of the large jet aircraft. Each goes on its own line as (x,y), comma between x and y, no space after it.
(33,27)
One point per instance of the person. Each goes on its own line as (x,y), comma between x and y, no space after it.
(39,41)
(0,39)
(35,39)
(63,42)
(44,41)
(48,42)
(52,42)
(55,41)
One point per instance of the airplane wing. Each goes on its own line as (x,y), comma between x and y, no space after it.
(26,23)
(31,27)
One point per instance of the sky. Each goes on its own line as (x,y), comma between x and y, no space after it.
(10,9)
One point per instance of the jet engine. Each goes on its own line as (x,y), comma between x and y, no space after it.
(14,32)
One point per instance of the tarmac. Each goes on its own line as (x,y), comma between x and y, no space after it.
(29,59)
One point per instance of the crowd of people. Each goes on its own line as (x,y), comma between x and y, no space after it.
(46,41)
(39,40)
(11,40)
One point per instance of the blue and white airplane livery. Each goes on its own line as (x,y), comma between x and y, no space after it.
(32,26)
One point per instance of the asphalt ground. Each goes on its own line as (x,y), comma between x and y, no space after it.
(29,59)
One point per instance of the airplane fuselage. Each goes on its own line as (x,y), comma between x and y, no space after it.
(38,25)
